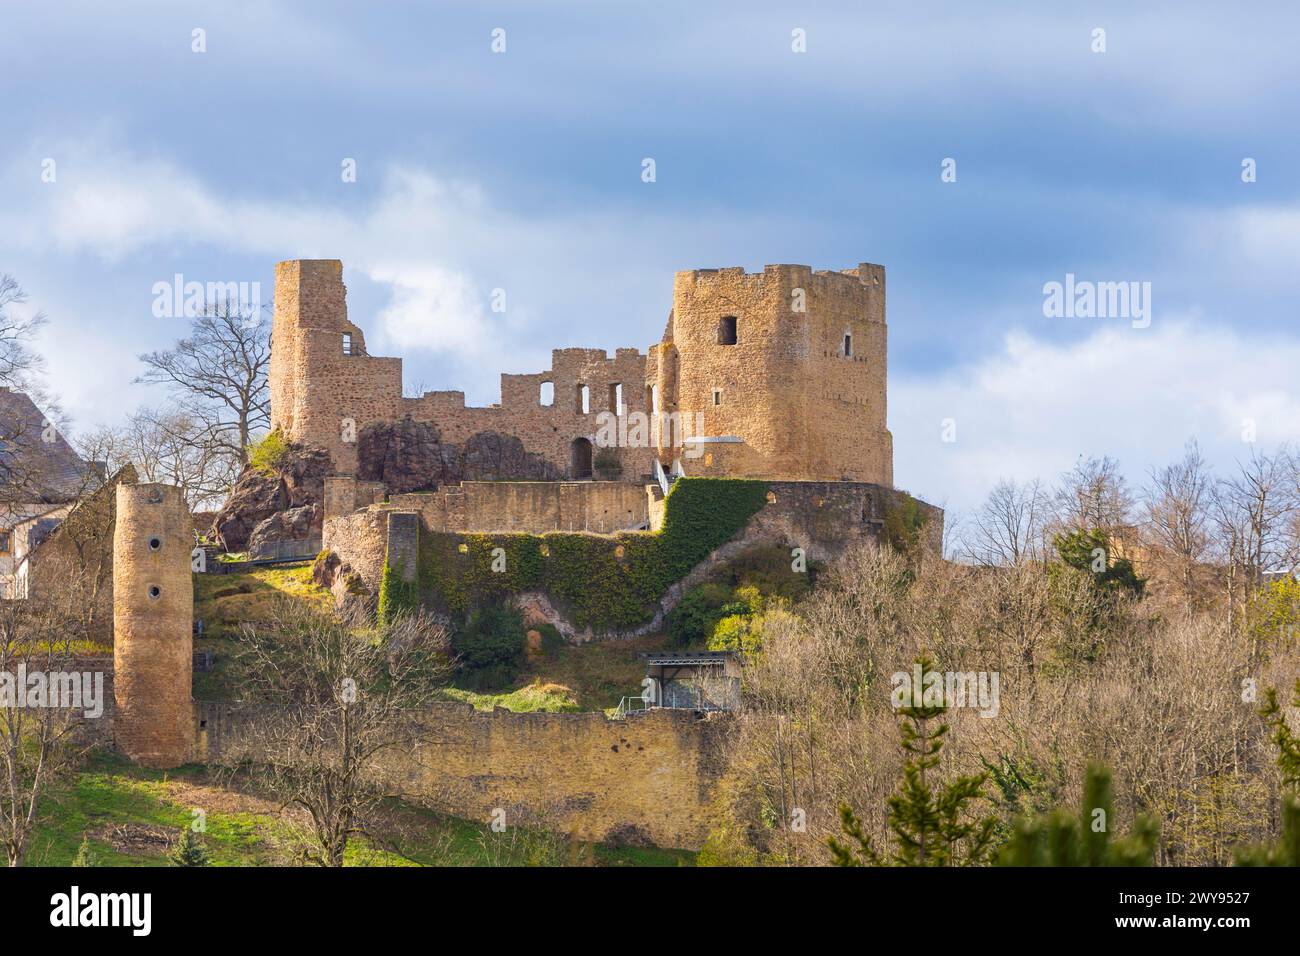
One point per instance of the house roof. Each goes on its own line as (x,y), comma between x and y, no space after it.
(32,468)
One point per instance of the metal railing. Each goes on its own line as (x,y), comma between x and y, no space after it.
(628,706)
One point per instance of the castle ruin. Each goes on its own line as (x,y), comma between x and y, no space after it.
(778,374)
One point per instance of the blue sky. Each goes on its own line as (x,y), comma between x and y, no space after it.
(522,170)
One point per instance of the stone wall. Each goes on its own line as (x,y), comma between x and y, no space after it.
(649,776)
(361,542)
(359,538)
(600,507)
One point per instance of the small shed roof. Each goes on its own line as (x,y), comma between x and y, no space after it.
(685,658)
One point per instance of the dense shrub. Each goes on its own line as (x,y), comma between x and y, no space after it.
(269,453)
(490,645)
(693,619)
(1090,551)
(904,522)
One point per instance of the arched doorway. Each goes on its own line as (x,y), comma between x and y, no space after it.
(580,459)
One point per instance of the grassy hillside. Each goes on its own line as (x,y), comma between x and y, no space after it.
(224,601)
(132,815)
(565,679)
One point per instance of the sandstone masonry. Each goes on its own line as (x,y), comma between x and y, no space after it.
(778,374)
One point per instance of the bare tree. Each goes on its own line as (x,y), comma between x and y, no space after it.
(1094,495)
(1253,515)
(39,743)
(1009,527)
(217,376)
(331,700)
(1177,506)
(17,360)
(171,446)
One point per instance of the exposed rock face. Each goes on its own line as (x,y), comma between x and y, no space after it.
(304,472)
(411,456)
(405,456)
(257,496)
(331,571)
(301,524)
(492,456)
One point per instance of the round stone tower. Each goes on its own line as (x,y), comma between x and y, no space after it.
(778,374)
(153,609)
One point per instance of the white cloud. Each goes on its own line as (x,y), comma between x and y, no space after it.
(435,248)
(1138,395)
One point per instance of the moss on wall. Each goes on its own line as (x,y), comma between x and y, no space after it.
(395,594)
(605,582)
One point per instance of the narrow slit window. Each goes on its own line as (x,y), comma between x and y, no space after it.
(347,343)
(848,345)
(582,400)
(717,396)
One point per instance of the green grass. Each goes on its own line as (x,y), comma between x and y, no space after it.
(111,797)
(531,698)
(225,601)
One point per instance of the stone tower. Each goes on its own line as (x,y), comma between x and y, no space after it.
(153,609)
(785,369)
(324,386)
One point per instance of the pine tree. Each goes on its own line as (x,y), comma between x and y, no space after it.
(85,854)
(932,824)
(1286,852)
(189,850)
(1060,838)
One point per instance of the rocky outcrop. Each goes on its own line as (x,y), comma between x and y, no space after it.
(273,535)
(405,456)
(411,456)
(298,482)
(490,456)
(332,572)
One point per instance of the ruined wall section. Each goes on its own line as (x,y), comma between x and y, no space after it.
(325,388)
(648,777)
(550,430)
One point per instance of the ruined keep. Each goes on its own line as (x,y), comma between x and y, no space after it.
(786,368)
(778,374)
(153,607)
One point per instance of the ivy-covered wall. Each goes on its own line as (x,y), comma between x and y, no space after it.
(605,582)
